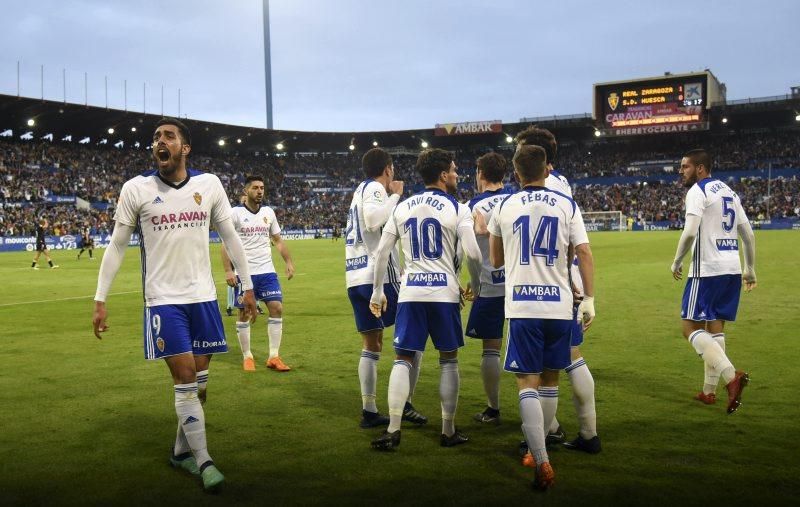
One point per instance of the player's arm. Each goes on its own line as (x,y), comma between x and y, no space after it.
(472,252)
(377,302)
(233,243)
(690,230)
(749,251)
(586,269)
(112,260)
(284,251)
(378,206)
(230,275)
(496,253)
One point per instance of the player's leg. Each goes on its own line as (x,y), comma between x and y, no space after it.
(81,252)
(582,393)
(235,299)
(371,330)
(706,300)
(270,292)
(91,250)
(202,364)
(548,397)
(231,293)
(485,322)
(36,259)
(444,325)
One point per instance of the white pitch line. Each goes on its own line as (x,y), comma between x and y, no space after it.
(65,299)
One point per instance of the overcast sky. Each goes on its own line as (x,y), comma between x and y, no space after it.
(368,65)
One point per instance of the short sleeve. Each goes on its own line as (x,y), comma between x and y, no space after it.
(465,219)
(577,229)
(695,201)
(274,226)
(127,212)
(221,206)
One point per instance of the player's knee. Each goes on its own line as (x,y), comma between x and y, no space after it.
(275,309)
(575,353)
(452,354)
(492,344)
(373,341)
(549,378)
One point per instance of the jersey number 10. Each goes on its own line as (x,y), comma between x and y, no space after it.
(544,239)
(430,232)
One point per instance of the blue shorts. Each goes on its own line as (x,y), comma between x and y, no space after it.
(417,320)
(711,298)
(577,329)
(536,344)
(170,330)
(486,318)
(359,299)
(266,287)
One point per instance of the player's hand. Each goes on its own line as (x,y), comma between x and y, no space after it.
(586,311)
(749,278)
(289,270)
(480,227)
(377,309)
(468,293)
(677,270)
(577,296)
(396,187)
(249,303)
(230,278)
(99,319)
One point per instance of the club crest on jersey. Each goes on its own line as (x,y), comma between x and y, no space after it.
(427,280)
(536,293)
(198,198)
(266,220)
(160,344)
(613,100)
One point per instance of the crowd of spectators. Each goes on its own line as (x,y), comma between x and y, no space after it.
(314,191)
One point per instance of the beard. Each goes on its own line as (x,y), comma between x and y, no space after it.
(173,162)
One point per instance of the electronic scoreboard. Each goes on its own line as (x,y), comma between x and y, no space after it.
(672,103)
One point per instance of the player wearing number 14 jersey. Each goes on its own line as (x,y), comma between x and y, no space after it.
(714,220)
(431,225)
(531,233)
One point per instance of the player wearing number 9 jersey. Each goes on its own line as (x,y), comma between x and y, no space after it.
(531,234)
(714,220)
(431,226)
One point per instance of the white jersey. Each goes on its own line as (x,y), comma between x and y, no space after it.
(255,230)
(556,181)
(492,279)
(173,221)
(369,198)
(716,247)
(537,225)
(430,225)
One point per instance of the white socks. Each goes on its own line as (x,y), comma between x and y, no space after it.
(368,376)
(202,384)
(398,393)
(583,397)
(243,334)
(713,355)
(192,421)
(533,424)
(711,376)
(548,399)
(449,384)
(416,365)
(490,373)
(275,332)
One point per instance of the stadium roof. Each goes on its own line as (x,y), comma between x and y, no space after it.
(80,121)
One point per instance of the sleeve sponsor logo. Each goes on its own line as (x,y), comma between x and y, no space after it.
(536,293)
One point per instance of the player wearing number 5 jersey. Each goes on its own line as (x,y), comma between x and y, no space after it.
(714,220)
(172,208)
(431,225)
(532,234)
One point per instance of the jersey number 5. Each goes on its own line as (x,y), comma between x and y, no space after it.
(728,214)
(544,239)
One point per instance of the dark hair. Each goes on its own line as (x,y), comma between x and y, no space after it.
(432,163)
(530,161)
(182,128)
(251,178)
(700,157)
(539,137)
(493,166)
(375,161)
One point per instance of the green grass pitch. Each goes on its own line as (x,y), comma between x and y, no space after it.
(91,422)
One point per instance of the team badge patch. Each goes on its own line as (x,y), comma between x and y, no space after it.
(198,198)
(160,344)
(240,299)
(613,100)
(266,221)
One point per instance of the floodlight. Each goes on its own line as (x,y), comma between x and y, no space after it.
(375,143)
(238,141)
(111,130)
(424,144)
(597,133)
(351,147)
(133,129)
(31,122)
(724,120)
(279,146)
(509,139)
(221,142)
(797,118)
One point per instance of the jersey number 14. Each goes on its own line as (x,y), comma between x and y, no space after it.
(544,239)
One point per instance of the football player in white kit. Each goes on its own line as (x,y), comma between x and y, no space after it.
(578,371)
(431,225)
(373,201)
(258,227)
(532,234)
(172,208)
(486,316)
(714,220)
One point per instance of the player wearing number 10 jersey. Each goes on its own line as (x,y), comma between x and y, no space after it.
(714,219)
(531,234)
(430,225)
